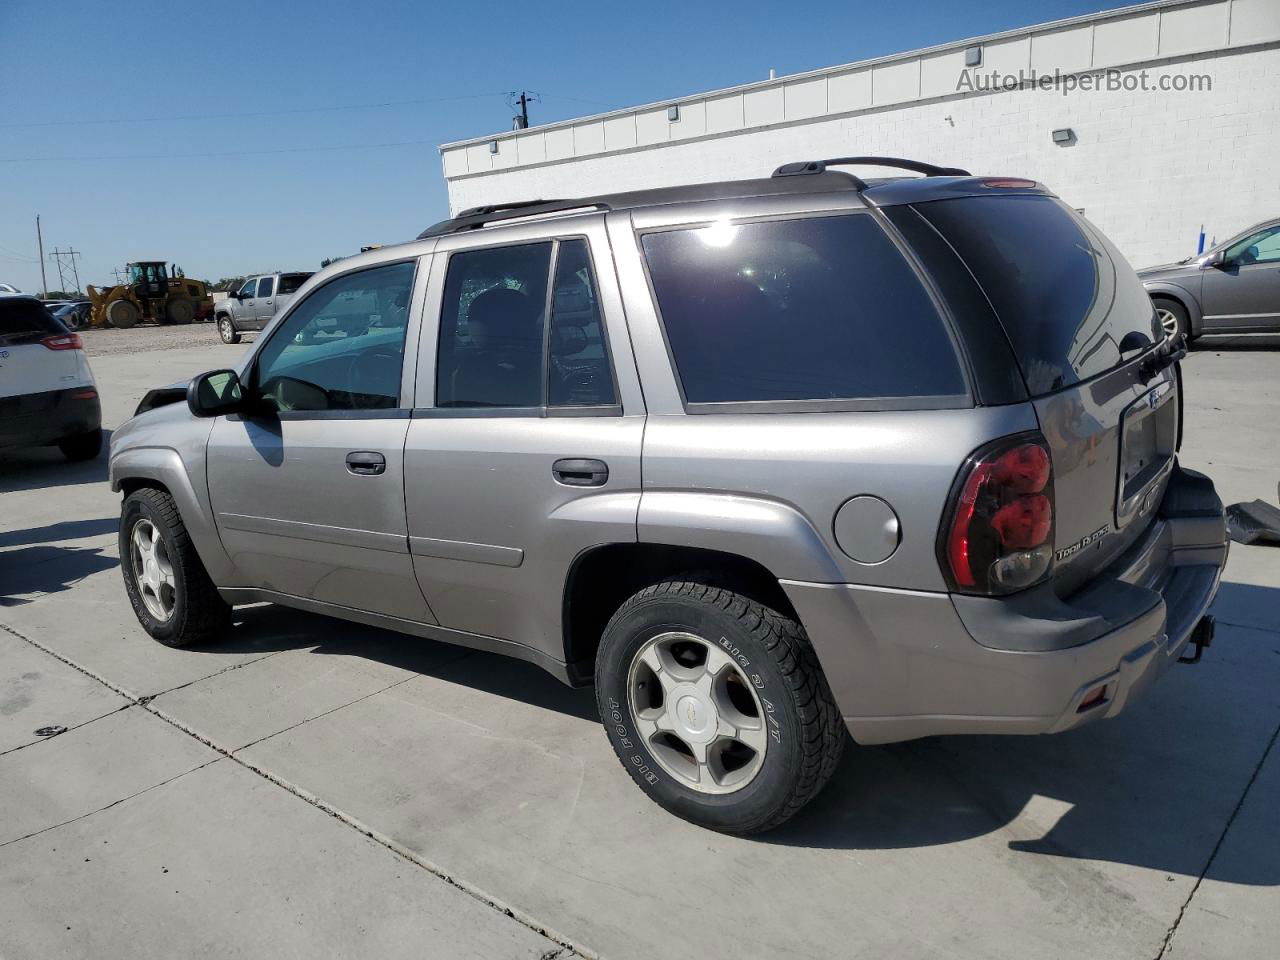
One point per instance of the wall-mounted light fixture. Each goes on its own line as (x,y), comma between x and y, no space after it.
(673,113)
(1064,137)
(973,56)
(493,146)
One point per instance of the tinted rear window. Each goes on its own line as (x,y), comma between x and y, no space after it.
(23,321)
(290,282)
(1064,295)
(821,308)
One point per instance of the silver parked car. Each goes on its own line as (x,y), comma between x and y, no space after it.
(765,461)
(1232,288)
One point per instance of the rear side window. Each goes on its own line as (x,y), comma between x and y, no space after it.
(821,308)
(290,282)
(26,321)
(264,286)
(1064,295)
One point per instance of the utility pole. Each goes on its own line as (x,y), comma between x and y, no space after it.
(521,121)
(44,284)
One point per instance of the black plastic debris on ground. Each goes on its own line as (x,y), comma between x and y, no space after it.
(1254,522)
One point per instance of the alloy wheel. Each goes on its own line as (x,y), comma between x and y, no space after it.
(698,713)
(153,570)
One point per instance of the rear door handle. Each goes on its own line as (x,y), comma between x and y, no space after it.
(366,463)
(581,473)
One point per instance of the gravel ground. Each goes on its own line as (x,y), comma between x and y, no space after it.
(108,341)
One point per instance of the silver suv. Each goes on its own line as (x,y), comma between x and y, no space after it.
(765,461)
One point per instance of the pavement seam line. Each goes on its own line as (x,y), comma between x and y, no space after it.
(83,723)
(1168,937)
(113,803)
(564,943)
(475,892)
(342,706)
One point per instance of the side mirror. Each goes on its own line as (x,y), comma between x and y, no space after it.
(215,393)
(1217,260)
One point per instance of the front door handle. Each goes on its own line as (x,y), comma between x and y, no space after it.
(366,463)
(581,473)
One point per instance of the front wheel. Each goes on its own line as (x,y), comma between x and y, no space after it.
(1173,318)
(716,706)
(227,330)
(168,586)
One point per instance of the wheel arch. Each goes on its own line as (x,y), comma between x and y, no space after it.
(602,577)
(1163,290)
(162,468)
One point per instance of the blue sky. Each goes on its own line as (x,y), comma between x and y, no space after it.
(209,193)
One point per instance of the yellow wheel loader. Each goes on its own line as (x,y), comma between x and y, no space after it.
(152,293)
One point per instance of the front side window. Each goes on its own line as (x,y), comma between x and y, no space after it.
(246,291)
(1260,247)
(820,308)
(264,286)
(342,348)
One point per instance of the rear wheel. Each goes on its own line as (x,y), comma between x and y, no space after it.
(168,587)
(1173,318)
(180,310)
(122,314)
(83,446)
(227,330)
(716,706)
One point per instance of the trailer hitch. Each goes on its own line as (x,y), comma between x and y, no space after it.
(1201,637)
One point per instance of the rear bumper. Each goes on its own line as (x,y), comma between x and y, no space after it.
(38,419)
(906,664)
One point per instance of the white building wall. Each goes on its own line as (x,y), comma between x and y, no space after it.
(1149,167)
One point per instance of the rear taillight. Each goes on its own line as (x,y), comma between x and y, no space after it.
(63,341)
(999,534)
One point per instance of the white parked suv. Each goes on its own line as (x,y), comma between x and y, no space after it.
(47,392)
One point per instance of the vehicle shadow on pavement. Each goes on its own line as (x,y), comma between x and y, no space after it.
(267,627)
(41,570)
(1236,342)
(37,468)
(1154,787)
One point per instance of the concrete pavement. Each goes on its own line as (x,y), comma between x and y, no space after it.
(320,787)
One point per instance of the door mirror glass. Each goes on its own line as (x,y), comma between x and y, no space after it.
(215,393)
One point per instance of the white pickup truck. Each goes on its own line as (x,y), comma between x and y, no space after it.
(252,305)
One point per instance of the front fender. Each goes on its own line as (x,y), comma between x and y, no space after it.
(774,535)
(1195,316)
(164,466)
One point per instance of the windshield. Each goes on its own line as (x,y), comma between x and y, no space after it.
(1064,295)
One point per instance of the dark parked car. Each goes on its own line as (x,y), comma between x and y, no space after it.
(74,314)
(1232,288)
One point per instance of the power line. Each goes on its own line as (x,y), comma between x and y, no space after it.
(254,113)
(231,115)
(223,153)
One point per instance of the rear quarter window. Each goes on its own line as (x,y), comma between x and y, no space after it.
(1063,293)
(820,308)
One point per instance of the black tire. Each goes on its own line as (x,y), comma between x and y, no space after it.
(83,446)
(199,614)
(122,314)
(1177,314)
(180,311)
(806,733)
(227,329)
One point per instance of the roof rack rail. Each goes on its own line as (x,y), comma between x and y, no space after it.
(808,167)
(475,217)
